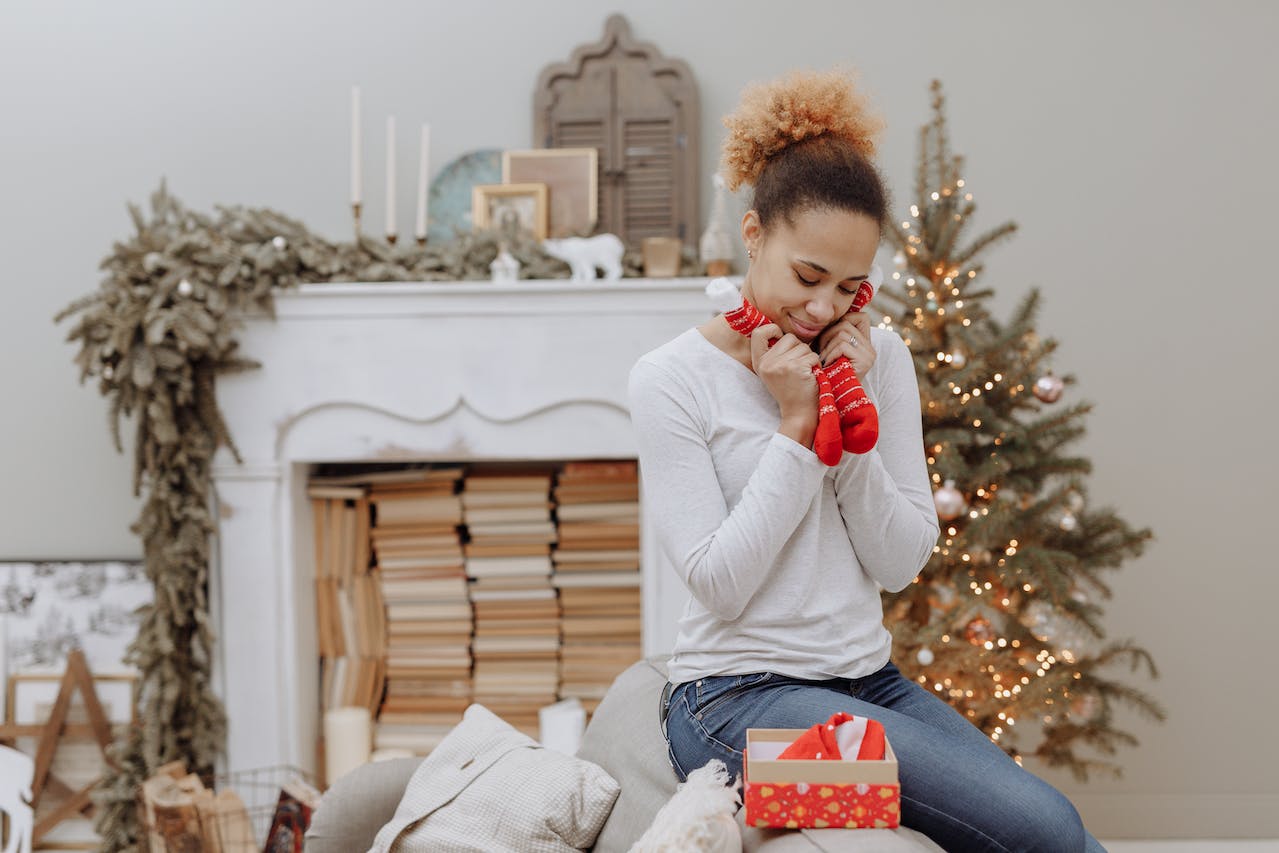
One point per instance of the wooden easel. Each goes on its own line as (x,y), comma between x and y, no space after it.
(50,734)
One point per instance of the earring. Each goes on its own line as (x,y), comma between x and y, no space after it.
(750,253)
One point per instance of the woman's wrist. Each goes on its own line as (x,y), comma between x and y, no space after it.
(798,429)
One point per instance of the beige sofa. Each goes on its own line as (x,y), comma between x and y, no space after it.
(625,738)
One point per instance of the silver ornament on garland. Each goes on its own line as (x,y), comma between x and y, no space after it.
(1068,522)
(949,501)
(957,358)
(925,656)
(280,243)
(152,261)
(185,288)
(1048,388)
(108,372)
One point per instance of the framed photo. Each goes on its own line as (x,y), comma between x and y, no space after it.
(498,205)
(572,179)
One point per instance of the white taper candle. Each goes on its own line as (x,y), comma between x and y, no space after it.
(390,176)
(356,189)
(423,171)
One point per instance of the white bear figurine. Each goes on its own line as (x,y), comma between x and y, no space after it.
(584,254)
(17,772)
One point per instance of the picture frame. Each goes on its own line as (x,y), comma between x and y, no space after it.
(492,203)
(572,179)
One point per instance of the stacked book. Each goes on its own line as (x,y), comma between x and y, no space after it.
(596,571)
(418,550)
(350,627)
(507,513)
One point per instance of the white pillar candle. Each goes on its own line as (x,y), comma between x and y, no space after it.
(355,146)
(423,170)
(390,176)
(348,741)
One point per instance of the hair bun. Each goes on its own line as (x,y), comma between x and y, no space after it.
(799,106)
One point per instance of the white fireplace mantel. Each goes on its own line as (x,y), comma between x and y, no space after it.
(453,371)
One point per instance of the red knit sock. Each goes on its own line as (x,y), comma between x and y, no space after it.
(858,418)
(827,440)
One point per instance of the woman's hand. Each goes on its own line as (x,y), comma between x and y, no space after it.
(787,373)
(850,336)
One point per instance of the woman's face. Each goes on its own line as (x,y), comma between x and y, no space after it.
(805,273)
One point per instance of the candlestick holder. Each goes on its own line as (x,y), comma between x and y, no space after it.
(355,212)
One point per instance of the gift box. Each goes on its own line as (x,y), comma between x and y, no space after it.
(816,793)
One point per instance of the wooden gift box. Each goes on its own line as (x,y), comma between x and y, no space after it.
(815,793)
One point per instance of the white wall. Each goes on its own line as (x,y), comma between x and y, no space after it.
(1130,141)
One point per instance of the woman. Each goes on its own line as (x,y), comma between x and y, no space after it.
(784,557)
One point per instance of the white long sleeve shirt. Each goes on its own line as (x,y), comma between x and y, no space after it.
(783,557)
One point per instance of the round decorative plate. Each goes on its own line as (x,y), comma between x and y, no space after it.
(450,197)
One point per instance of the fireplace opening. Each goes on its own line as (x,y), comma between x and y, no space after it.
(513,584)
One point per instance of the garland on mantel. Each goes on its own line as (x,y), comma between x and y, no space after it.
(155,335)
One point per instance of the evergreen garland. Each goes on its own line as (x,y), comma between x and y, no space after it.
(156,334)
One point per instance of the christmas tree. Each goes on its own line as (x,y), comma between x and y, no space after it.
(1003,622)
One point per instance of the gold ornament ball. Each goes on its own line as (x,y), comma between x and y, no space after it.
(1048,388)
(949,501)
(978,631)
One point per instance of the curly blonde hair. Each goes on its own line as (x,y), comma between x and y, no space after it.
(802,105)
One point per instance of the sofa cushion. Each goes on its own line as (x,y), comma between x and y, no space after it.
(488,787)
(625,738)
(357,805)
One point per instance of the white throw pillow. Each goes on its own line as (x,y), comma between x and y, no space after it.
(489,787)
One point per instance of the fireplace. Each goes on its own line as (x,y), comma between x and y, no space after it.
(453,371)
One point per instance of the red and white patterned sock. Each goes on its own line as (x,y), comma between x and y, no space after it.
(827,441)
(858,418)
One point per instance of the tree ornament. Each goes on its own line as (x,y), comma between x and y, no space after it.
(152,261)
(1068,522)
(1039,620)
(925,656)
(108,372)
(982,557)
(1085,706)
(279,243)
(944,593)
(185,288)
(1075,501)
(957,358)
(978,632)
(899,260)
(1048,388)
(949,501)
(931,305)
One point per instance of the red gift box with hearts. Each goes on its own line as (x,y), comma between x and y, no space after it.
(816,793)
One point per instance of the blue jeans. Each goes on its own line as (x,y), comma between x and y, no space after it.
(957,786)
